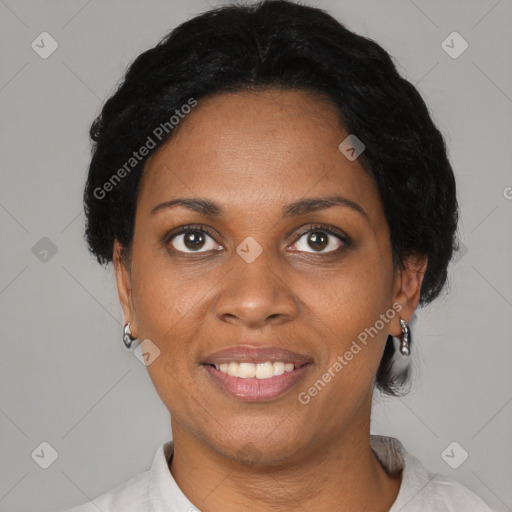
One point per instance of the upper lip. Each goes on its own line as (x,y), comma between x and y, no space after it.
(245,354)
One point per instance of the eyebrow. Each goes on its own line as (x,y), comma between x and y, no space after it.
(295,209)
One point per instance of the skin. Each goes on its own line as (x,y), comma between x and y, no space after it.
(254,153)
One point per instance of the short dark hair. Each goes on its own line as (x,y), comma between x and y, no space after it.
(280,44)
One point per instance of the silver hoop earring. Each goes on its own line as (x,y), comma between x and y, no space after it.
(127,336)
(405,349)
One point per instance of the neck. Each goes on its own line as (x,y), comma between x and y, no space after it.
(338,473)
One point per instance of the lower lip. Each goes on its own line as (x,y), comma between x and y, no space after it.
(256,390)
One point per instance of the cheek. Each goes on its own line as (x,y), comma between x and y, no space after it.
(161,300)
(174,386)
(169,312)
(353,296)
(350,305)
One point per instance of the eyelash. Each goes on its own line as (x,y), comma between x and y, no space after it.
(347,242)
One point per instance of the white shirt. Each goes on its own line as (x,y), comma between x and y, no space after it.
(155,490)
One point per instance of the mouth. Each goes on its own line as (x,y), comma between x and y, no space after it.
(256,374)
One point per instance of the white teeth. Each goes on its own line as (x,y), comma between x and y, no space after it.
(233,369)
(278,368)
(247,370)
(250,370)
(264,370)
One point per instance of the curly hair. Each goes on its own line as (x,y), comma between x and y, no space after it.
(281,44)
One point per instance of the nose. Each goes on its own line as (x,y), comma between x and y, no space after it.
(255,294)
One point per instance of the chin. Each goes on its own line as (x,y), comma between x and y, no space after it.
(258,449)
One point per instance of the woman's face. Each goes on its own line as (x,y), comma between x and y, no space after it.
(258,272)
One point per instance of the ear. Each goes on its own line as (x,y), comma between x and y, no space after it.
(124,287)
(407,290)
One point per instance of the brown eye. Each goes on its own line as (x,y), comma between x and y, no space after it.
(192,240)
(318,238)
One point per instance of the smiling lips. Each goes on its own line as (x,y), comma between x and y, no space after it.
(256,374)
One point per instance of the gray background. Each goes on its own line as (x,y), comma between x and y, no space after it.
(65,377)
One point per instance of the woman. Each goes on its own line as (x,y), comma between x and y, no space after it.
(276,202)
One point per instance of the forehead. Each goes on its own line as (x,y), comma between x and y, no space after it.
(252,148)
